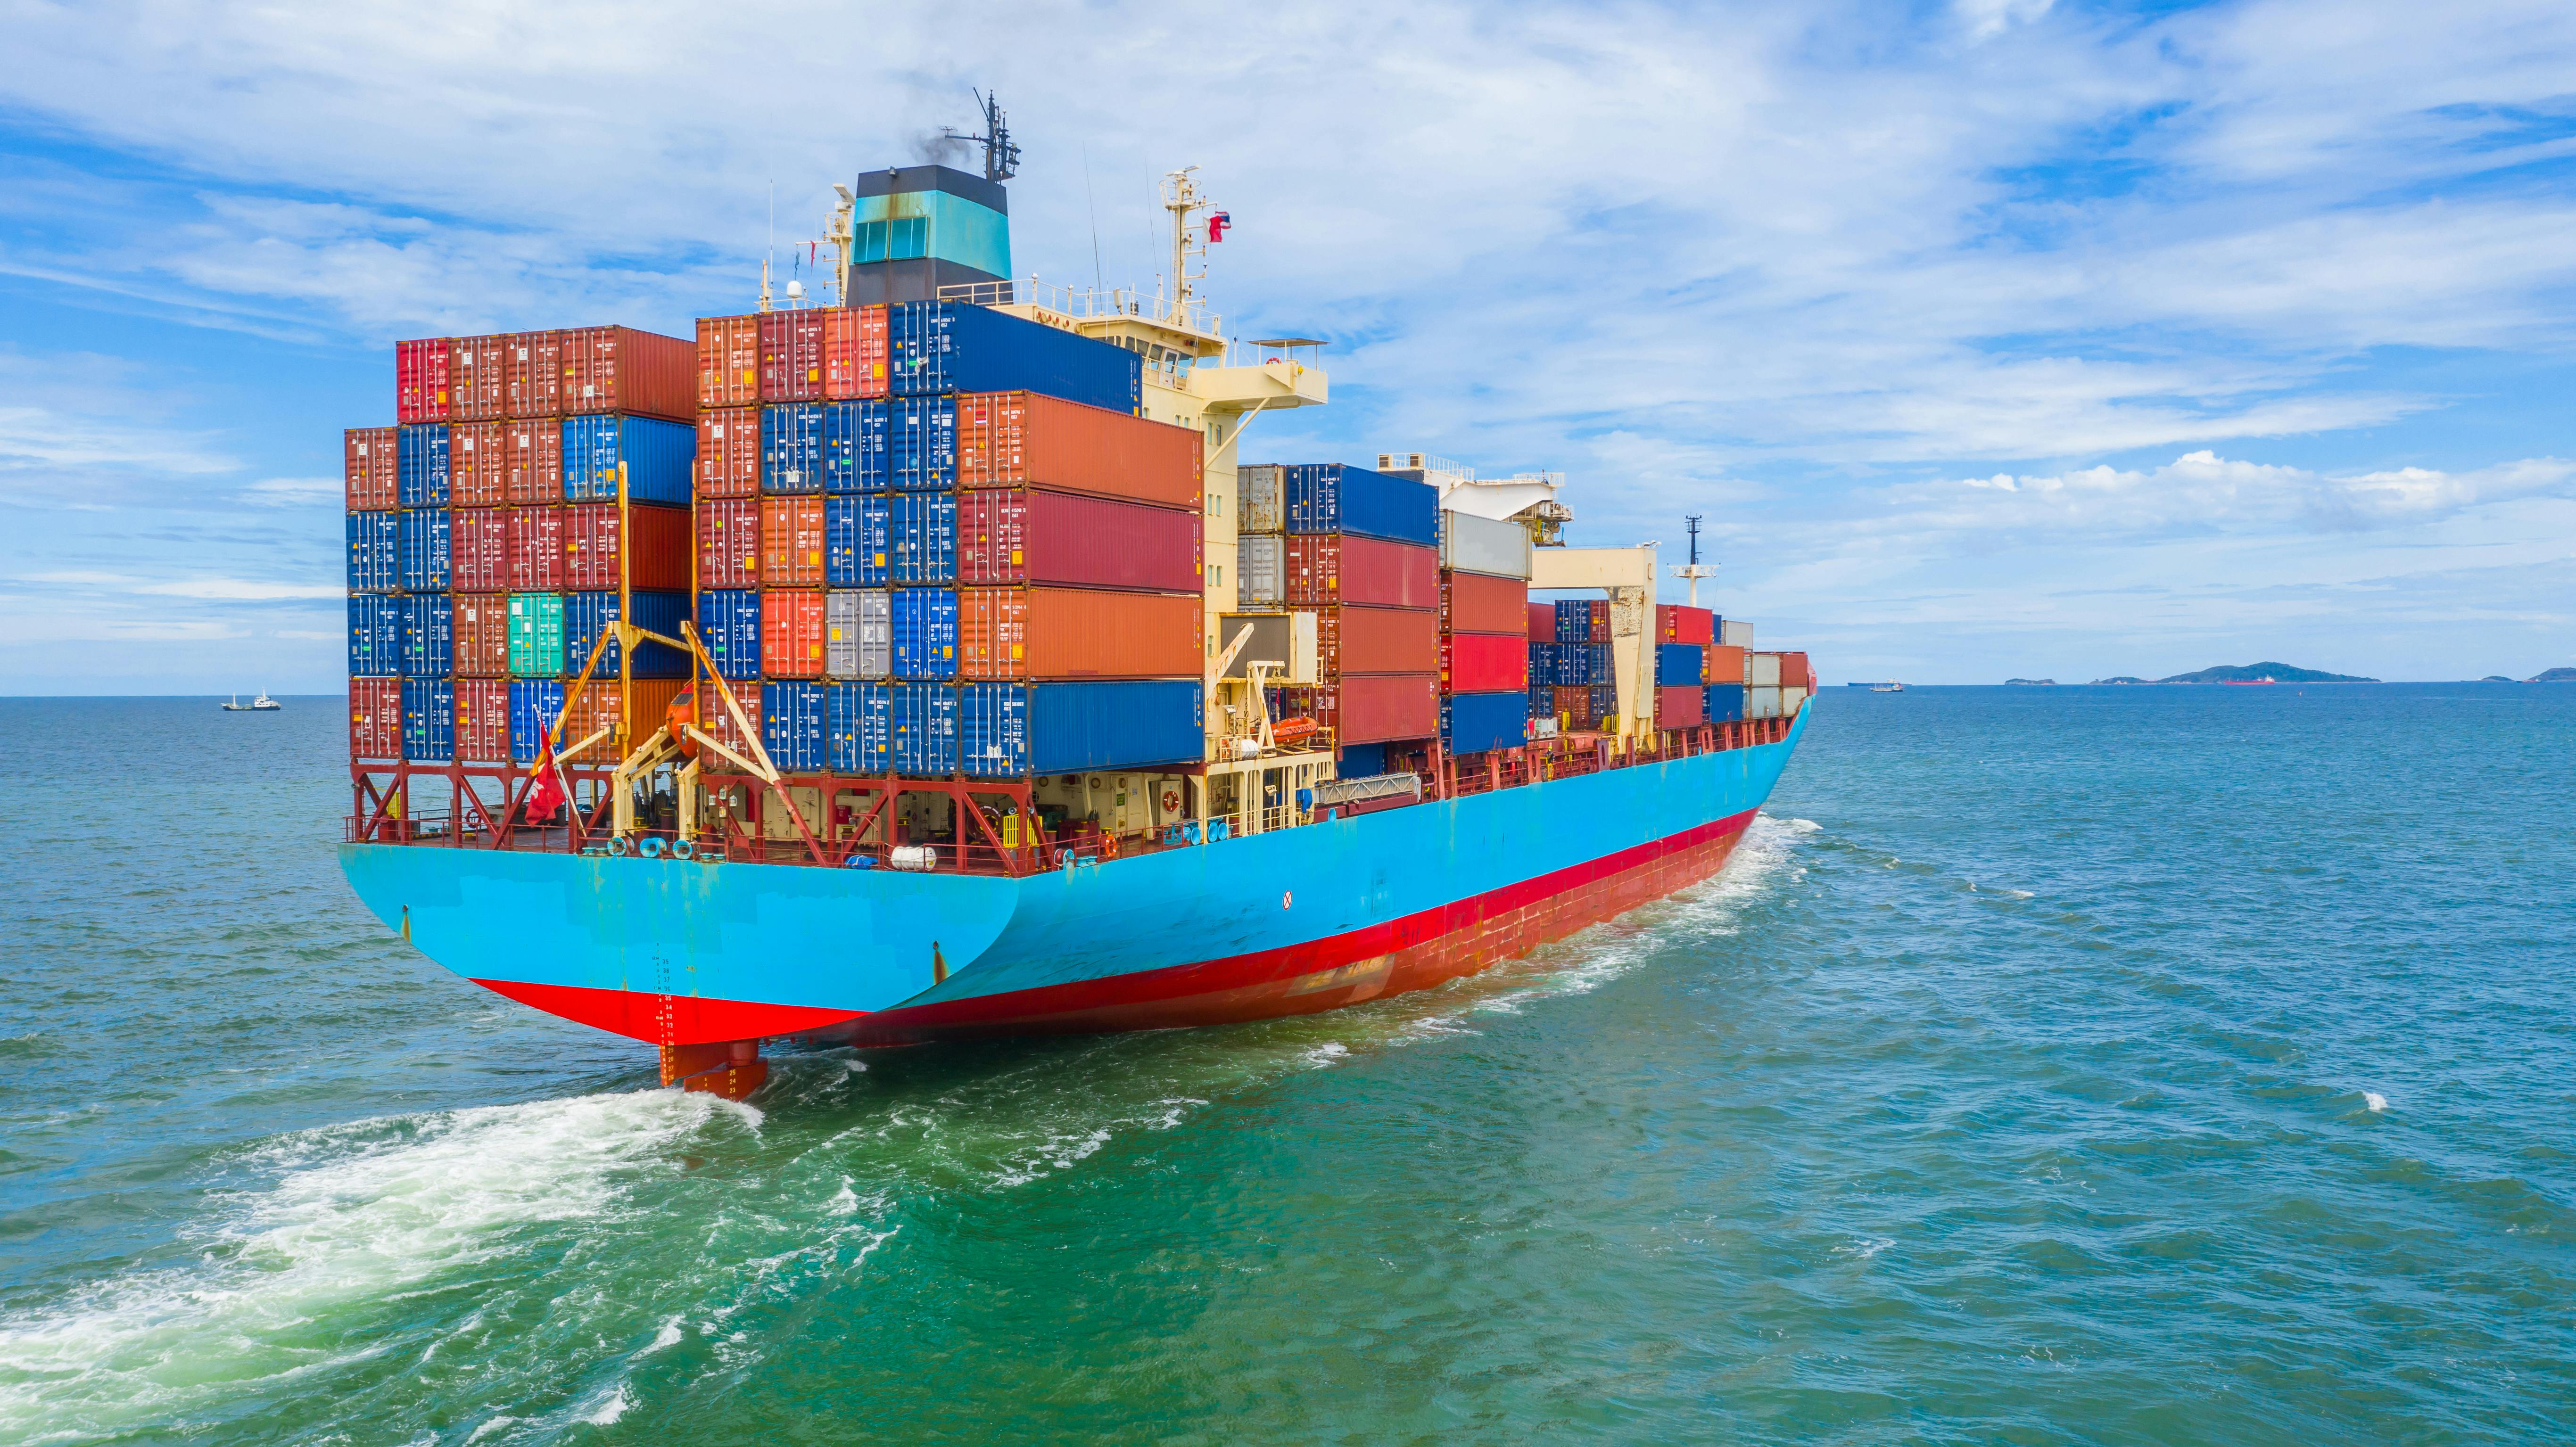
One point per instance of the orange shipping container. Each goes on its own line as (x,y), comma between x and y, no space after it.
(854,352)
(476,474)
(728,361)
(650,545)
(478,376)
(1050,633)
(532,370)
(729,543)
(478,549)
(634,709)
(532,473)
(1794,672)
(481,622)
(620,369)
(483,721)
(1024,439)
(1354,641)
(1481,603)
(367,455)
(1725,663)
(791,632)
(536,549)
(791,542)
(729,452)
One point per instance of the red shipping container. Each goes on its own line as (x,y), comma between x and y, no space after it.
(1046,633)
(476,475)
(1683,707)
(728,361)
(1794,672)
(532,469)
(536,549)
(1484,662)
(791,632)
(1542,623)
(1344,569)
(478,378)
(1725,663)
(1482,603)
(1373,708)
(717,720)
(791,356)
(482,720)
(1574,708)
(655,546)
(1014,535)
(367,455)
(375,718)
(854,352)
(1680,623)
(1600,620)
(420,380)
(791,542)
(481,622)
(728,462)
(1353,641)
(729,543)
(478,549)
(532,373)
(1025,439)
(620,369)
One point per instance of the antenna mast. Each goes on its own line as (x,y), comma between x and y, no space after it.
(1694,570)
(1181,197)
(1001,153)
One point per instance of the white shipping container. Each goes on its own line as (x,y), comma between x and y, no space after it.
(1762,703)
(1734,634)
(1472,544)
(1790,701)
(858,633)
(1762,670)
(1260,498)
(1261,571)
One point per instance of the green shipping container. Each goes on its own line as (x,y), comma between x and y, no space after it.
(536,635)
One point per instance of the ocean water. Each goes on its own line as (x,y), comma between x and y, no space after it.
(2081,1065)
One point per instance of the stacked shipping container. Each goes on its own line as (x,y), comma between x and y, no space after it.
(1484,633)
(1360,551)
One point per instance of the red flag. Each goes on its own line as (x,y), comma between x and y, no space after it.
(1217,224)
(546,795)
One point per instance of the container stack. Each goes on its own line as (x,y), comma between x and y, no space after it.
(1361,551)
(486,545)
(1484,633)
(954,549)
(1539,628)
(1683,636)
(1581,671)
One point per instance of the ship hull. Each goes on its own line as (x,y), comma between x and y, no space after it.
(1296,921)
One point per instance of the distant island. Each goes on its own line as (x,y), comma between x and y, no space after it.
(2250,672)
(2030,683)
(2553,675)
(2124,678)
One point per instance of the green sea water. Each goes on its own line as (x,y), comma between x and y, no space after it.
(2080,1065)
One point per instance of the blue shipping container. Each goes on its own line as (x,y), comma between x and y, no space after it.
(925,633)
(375,557)
(586,615)
(1679,665)
(993,730)
(1573,620)
(376,636)
(428,637)
(854,447)
(859,728)
(1542,700)
(1475,723)
(945,346)
(791,448)
(1600,667)
(792,717)
(922,723)
(659,458)
(923,529)
(429,720)
(1605,698)
(921,443)
(1542,664)
(535,705)
(420,465)
(1076,727)
(857,548)
(1362,761)
(420,540)
(729,629)
(1329,497)
(1724,702)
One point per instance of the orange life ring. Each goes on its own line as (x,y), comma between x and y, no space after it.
(1171,801)
(1108,846)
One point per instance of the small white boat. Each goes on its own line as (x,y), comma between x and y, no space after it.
(1891,686)
(261,704)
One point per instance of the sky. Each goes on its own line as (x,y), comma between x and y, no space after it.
(1996,339)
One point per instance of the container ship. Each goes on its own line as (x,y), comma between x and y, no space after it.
(923,661)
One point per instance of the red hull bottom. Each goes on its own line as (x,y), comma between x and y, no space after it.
(701,1039)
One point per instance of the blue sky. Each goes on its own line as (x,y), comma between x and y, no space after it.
(2001,338)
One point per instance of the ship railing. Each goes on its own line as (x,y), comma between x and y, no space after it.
(1086,302)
